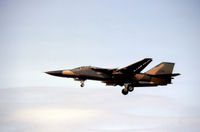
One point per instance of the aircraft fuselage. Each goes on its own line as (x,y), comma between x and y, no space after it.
(129,76)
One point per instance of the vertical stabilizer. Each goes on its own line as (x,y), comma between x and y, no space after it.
(161,69)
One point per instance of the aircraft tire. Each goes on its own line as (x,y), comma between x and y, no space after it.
(82,85)
(130,88)
(124,91)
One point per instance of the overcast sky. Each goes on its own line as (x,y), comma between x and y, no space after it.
(42,35)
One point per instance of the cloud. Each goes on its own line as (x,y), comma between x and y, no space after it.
(53,115)
(89,110)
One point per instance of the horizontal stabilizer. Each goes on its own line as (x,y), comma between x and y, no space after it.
(164,75)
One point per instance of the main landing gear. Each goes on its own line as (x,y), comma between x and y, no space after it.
(127,88)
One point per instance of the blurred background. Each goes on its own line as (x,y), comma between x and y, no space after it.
(43,35)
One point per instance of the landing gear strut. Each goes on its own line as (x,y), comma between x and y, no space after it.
(128,88)
(82,84)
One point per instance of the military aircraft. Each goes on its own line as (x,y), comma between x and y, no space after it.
(129,76)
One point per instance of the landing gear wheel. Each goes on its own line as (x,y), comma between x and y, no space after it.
(130,88)
(125,91)
(82,84)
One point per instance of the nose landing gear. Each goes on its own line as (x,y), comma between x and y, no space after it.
(82,83)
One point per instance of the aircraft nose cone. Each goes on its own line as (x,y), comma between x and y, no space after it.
(54,73)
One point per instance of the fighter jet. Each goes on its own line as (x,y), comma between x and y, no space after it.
(129,76)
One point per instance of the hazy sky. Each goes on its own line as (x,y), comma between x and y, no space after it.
(42,35)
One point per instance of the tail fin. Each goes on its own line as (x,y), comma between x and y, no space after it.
(161,69)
